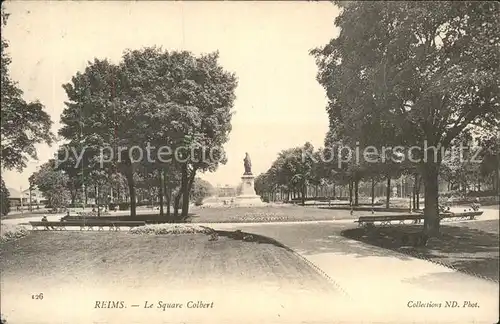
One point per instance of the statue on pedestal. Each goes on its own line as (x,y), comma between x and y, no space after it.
(247,163)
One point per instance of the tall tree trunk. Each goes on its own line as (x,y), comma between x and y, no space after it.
(160,191)
(168,193)
(334,193)
(97,201)
(132,198)
(73,198)
(431,209)
(373,192)
(168,200)
(304,189)
(415,190)
(186,190)
(350,193)
(419,186)
(356,192)
(388,192)
(129,176)
(413,194)
(177,201)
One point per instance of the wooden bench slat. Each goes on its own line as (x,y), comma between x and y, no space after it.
(88,223)
(401,218)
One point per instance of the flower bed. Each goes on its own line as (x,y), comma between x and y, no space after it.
(162,229)
(12,232)
(93,214)
(260,217)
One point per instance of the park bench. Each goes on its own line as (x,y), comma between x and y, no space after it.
(88,224)
(461,216)
(416,218)
(387,220)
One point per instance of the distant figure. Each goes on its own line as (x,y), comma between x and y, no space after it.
(475,205)
(247,163)
(44,219)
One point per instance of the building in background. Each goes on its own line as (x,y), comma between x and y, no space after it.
(226,191)
(33,198)
(15,198)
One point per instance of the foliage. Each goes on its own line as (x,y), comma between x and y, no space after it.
(294,168)
(123,206)
(201,189)
(10,232)
(490,158)
(23,124)
(422,71)
(53,183)
(4,199)
(152,98)
(163,229)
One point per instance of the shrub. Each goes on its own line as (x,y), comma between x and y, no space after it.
(76,205)
(487,193)
(112,206)
(198,201)
(163,229)
(123,206)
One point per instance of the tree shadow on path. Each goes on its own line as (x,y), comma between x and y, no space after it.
(461,248)
(311,239)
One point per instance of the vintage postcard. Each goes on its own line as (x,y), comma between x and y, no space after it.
(250,162)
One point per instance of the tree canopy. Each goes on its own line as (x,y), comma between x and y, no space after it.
(151,99)
(23,124)
(409,73)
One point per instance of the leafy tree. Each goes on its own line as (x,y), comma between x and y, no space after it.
(158,98)
(430,69)
(490,155)
(201,189)
(97,116)
(53,183)
(4,199)
(292,169)
(23,124)
(186,102)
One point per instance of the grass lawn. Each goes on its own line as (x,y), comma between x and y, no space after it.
(490,226)
(272,213)
(470,247)
(81,267)
(131,259)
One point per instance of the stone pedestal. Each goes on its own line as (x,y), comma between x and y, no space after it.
(248,197)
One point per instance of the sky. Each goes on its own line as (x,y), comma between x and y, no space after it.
(279,104)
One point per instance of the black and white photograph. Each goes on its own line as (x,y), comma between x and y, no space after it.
(250,162)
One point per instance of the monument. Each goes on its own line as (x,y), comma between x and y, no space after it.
(248,197)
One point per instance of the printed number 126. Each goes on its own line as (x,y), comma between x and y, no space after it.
(38,296)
